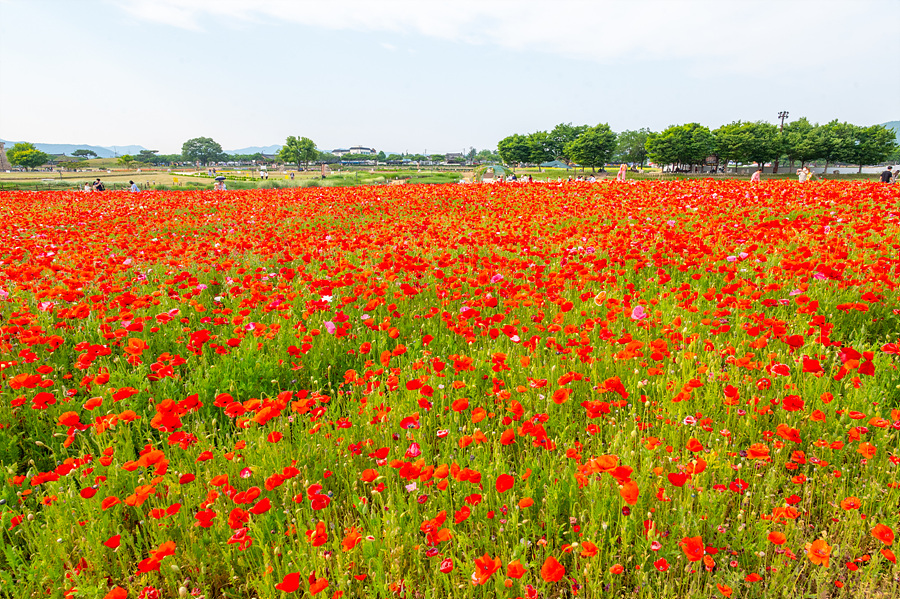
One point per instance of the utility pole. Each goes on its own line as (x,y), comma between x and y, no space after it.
(781,115)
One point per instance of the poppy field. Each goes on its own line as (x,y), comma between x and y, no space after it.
(548,390)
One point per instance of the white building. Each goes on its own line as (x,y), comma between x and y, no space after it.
(354,150)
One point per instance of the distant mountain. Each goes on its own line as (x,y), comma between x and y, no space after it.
(102,152)
(254,149)
(895,125)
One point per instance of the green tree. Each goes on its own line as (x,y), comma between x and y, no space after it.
(869,145)
(561,136)
(758,142)
(202,149)
(487,156)
(298,151)
(687,144)
(26,155)
(594,147)
(541,148)
(514,149)
(631,146)
(798,143)
(84,152)
(727,143)
(147,156)
(125,159)
(831,141)
(470,155)
(381,156)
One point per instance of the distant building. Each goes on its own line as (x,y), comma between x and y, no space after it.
(454,156)
(354,150)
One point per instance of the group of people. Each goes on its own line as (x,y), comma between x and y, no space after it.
(889,175)
(98,185)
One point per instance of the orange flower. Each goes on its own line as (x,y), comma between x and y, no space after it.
(724,589)
(515,570)
(758,451)
(116,593)
(590,549)
(351,539)
(867,450)
(694,446)
(552,570)
(883,533)
(485,568)
(629,492)
(692,547)
(777,538)
(561,396)
(819,552)
(850,503)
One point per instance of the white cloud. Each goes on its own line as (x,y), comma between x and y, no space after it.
(725,35)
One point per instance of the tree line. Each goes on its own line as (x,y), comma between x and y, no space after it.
(693,144)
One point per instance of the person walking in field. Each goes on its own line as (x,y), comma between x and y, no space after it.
(756,175)
(620,176)
(803,174)
(887,175)
(88,188)
(98,185)
(134,188)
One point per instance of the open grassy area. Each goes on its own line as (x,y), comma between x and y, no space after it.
(242,178)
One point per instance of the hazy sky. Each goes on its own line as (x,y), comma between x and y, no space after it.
(428,75)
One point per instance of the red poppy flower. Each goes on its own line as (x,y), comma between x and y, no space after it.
(504,483)
(515,570)
(693,548)
(485,568)
(290,583)
(552,570)
(883,533)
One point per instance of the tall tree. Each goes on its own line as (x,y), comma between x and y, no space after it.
(758,142)
(632,146)
(298,151)
(727,143)
(24,154)
(147,156)
(84,152)
(561,136)
(202,149)
(594,147)
(487,156)
(797,142)
(687,144)
(831,141)
(514,149)
(541,150)
(869,145)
